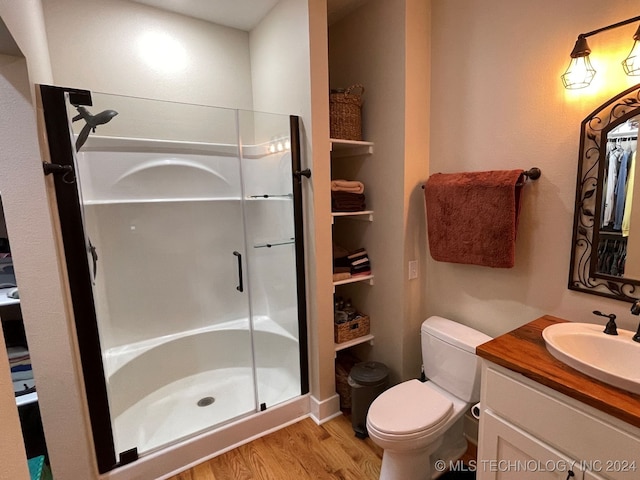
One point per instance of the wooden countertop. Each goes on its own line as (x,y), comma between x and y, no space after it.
(523,350)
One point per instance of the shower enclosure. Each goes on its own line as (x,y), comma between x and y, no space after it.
(182,232)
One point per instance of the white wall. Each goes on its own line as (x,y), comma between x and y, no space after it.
(106,46)
(497,102)
(280,60)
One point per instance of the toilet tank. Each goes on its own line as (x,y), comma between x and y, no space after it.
(449,358)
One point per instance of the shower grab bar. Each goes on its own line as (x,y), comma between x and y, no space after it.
(275,244)
(266,195)
(240,286)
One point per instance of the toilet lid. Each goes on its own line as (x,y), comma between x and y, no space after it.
(408,408)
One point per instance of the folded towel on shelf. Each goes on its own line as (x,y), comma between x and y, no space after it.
(356,254)
(361,273)
(351,186)
(347,202)
(355,262)
(18,356)
(341,276)
(15,352)
(21,363)
(359,262)
(472,217)
(21,372)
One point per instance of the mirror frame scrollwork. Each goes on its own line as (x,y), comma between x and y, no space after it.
(593,140)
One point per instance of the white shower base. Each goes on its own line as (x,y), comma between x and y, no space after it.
(159,382)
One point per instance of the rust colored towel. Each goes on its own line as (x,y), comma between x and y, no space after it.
(472,217)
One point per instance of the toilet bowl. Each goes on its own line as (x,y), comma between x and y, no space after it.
(417,423)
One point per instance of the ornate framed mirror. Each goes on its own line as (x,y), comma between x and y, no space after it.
(605,256)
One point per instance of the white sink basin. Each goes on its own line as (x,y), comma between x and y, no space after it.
(612,359)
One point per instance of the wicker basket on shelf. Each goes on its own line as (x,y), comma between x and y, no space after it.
(359,326)
(345,113)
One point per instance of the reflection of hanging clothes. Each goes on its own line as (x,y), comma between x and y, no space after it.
(628,202)
(612,254)
(621,190)
(610,183)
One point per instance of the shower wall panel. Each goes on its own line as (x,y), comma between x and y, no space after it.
(166,267)
(164,225)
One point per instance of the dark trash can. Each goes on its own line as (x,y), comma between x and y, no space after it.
(367,380)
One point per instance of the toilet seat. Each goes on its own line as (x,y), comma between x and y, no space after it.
(409,410)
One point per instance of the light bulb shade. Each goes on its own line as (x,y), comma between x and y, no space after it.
(579,73)
(581,48)
(631,64)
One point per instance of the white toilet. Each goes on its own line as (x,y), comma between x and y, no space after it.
(418,423)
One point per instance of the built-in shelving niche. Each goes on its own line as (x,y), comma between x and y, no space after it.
(347,149)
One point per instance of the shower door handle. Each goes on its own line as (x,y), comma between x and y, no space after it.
(94,257)
(240,286)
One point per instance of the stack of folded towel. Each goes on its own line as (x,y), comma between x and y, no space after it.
(347,196)
(341,268)
(21,372)
(350,264)
(359,263)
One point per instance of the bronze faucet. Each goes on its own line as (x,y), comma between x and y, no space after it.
(611,328)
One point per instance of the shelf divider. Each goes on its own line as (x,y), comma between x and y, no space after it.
(350,148)
(363,215)
(367,278)
(354,342)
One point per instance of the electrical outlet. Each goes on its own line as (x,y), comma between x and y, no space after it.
(413,269)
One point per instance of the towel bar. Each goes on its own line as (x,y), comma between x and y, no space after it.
(533,173)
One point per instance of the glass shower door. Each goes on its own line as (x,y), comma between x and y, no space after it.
(161,193)
(182,232)
(273,250)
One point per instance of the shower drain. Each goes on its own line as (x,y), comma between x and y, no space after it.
(206,401)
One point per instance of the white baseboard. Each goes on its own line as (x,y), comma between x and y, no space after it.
(322,411)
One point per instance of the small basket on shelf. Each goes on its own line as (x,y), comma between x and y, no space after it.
(345,113)
(358,327)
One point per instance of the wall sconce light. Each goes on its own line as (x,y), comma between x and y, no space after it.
(631,64)
(579,73)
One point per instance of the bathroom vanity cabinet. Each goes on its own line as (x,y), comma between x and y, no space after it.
(541,419)
(345,154)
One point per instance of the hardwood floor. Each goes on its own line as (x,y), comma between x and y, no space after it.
(302,451)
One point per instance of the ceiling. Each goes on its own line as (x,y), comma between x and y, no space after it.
(241,14)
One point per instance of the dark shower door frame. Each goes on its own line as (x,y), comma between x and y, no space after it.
(61,155)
